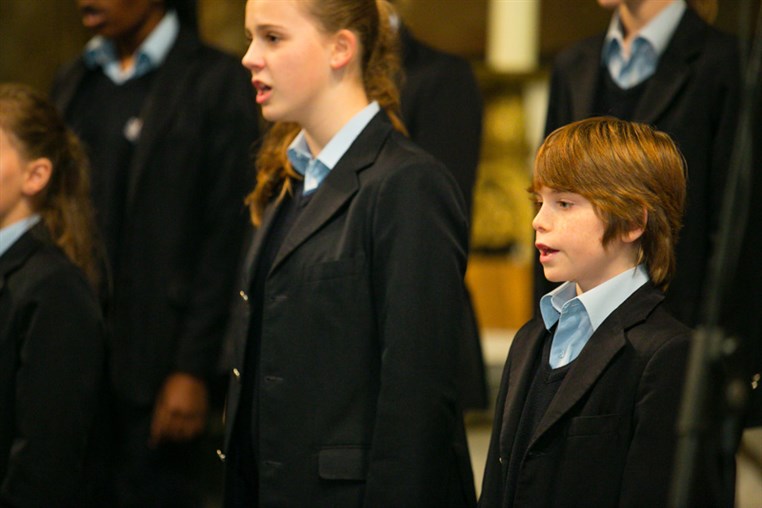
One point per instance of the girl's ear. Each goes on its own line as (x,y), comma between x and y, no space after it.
(37,176)
(345,47)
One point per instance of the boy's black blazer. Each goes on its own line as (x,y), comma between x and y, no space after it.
(52,372)
(608,438)
(184,216)
(363,309)
(693,96)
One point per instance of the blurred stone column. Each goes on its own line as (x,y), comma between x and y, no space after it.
(502,236)
(513,35)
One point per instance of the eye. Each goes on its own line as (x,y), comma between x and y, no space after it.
(564,204)
(272,38)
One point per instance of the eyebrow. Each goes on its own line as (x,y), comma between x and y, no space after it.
(267,26)
(261,28)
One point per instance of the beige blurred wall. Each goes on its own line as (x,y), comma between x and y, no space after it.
(36,38)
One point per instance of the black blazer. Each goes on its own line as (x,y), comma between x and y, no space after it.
(608,437)
(693,96)
(442,110)
(363,309)
(52,354)
(184,217)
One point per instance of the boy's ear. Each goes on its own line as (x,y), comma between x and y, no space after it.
(345,47)
(636,232)
(37,176)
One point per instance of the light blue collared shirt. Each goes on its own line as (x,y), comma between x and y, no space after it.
(101,52)
(579,316)
(315,169)
(9,234)
(646,48)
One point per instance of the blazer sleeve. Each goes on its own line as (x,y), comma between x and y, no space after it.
(231,129)
(446,119)
(57,389)
(419,235)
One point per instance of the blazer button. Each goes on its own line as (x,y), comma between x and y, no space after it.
(244,296)
(236,374)
(501,460)
(220,455)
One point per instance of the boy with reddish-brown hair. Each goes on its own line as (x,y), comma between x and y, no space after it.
(591,388)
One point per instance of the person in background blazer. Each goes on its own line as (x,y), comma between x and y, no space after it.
(52,344)
(168,122)
(688,87)
(442,110)
(587,407)
(352,300)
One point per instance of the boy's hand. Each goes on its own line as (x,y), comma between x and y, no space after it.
(180,411)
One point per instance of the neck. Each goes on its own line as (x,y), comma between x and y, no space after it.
(23,210)
(127,43)
(328,119)
(635,14)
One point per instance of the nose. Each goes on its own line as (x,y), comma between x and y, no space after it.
(252,59)
(540,221)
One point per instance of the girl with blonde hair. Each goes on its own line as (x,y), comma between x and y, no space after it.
(352,299)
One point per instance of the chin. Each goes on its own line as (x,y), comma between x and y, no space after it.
(552,277)
(272,115)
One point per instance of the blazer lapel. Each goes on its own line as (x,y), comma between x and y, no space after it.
(523,354)
(340,185)
(161,103)
(584,79)
(673,70)
(258,241)
(605,343)
(19,251)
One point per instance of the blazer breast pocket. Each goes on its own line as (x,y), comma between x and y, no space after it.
(594,425)
(334,269)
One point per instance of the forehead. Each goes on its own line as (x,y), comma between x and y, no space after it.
(8,147)
(545,191)
(276,12)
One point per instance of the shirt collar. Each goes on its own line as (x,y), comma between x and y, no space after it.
(599,302)
(101,52)
(657,32)
(299,153)
(9,234)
